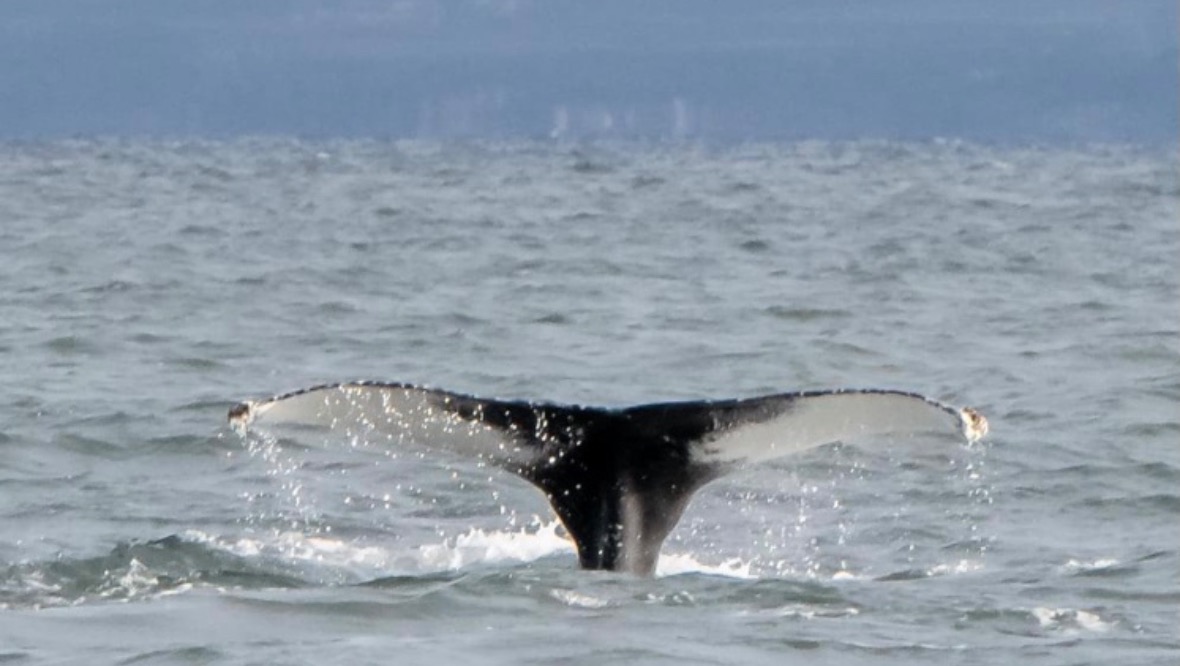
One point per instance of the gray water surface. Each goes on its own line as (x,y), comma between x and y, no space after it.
(146,286)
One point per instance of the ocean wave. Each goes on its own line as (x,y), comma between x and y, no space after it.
(132,571)
(298,560)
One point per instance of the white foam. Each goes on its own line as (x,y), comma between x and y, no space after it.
(960,567)
(1069,620)
(1092,621)
(847,575)
(526,544)
(537,540)
(137,582)
(675,564)
(811,613)
(490,546)
(579,600)
(1079,566)
(299,547)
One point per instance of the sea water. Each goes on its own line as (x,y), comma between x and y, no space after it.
(145,286)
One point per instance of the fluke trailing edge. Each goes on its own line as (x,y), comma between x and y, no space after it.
(619,479)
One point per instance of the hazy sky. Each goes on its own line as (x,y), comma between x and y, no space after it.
(1033,70)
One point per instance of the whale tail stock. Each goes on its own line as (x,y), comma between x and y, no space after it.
(619,479)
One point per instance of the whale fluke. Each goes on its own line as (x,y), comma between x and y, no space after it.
(619,479)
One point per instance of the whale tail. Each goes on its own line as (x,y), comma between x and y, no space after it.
(618,479)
